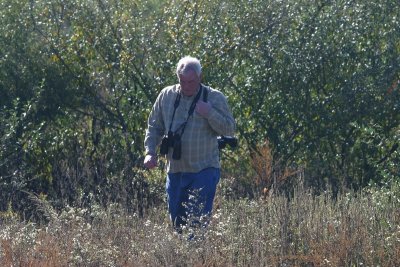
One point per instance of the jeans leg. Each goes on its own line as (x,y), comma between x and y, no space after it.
(176,188)
(204,185)
(173,184)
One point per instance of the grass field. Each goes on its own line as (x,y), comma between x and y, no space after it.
(360,229)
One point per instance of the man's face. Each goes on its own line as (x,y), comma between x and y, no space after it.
(189,83)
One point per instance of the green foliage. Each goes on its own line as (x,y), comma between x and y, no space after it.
(317,80)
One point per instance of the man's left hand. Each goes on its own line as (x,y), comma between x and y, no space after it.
(203,108)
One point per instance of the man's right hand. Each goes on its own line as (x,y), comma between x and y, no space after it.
(150,161)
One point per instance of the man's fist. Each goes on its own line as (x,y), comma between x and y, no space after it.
(150,161)
(203,108)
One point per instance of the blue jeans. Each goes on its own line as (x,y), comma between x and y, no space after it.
(191,194)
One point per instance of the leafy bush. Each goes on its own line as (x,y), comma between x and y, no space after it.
(318,81)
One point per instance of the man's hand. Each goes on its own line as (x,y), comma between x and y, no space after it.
(150,161)
(203,108)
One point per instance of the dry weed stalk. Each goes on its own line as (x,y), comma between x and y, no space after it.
(271,172)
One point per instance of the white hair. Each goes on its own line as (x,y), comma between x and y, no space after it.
(188,63)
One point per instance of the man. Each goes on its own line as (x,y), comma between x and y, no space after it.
(187,128)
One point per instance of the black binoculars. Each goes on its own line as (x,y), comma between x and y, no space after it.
(174,141)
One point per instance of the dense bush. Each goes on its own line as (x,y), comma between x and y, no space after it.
(317,82)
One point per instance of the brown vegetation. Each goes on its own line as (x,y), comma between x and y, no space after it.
(305,230)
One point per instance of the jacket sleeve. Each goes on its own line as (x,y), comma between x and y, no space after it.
(220,117)
(155,127)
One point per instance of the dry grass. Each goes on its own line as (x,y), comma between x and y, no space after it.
(354,230)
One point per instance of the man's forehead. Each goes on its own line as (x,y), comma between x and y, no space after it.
(190,75)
